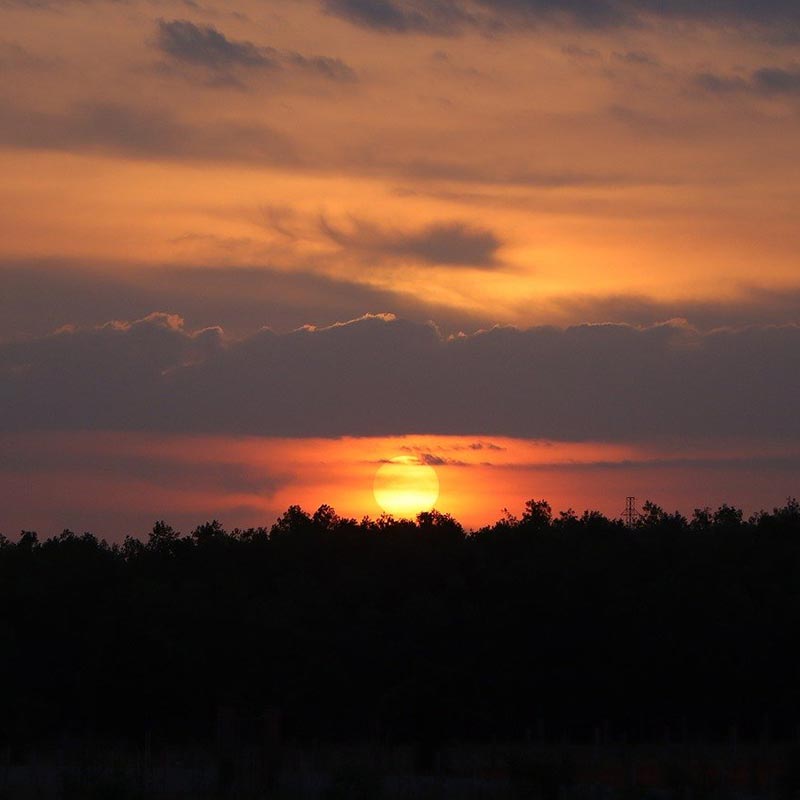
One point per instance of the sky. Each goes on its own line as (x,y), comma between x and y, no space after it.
(252,250)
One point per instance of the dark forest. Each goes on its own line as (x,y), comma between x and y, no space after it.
(547,626)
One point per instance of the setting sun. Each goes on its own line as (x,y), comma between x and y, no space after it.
(404,486)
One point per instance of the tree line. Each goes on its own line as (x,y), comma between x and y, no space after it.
(543,625)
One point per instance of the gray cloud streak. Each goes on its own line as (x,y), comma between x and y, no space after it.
(206,47)
(441,243)
(765,81)
(141,133)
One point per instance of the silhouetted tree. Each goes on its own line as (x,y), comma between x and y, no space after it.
(537,515)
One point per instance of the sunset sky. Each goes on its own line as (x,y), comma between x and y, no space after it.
(251,250)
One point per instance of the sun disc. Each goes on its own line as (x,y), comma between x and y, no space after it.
(404,487)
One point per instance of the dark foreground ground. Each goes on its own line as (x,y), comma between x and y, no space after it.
(521,770)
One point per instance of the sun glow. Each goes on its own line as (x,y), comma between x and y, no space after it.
(404,486)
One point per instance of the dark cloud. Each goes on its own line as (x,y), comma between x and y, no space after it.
(332,68)
(450,17)
(445,243)
(141,133)
(432,460)
(779,81)
(425,455)
(433,17)
(764,81)
(382,376)
(206,47)
(720,84)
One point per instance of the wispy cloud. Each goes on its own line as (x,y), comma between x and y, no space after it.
(443,243)
(775,81)
(205,47)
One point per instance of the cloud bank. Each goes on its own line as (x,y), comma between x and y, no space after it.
(450,17)
(378,375)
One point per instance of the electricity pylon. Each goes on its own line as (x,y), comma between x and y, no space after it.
(630,514)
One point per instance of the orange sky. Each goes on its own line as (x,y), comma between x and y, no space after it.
(197,172)
(595,157)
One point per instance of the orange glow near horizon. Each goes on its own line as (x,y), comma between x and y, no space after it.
(116,484)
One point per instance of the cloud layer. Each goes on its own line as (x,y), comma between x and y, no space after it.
(41,296)
(381,376)
(449,17)
(137,132)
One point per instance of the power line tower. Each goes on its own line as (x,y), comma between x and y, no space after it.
(631,513)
